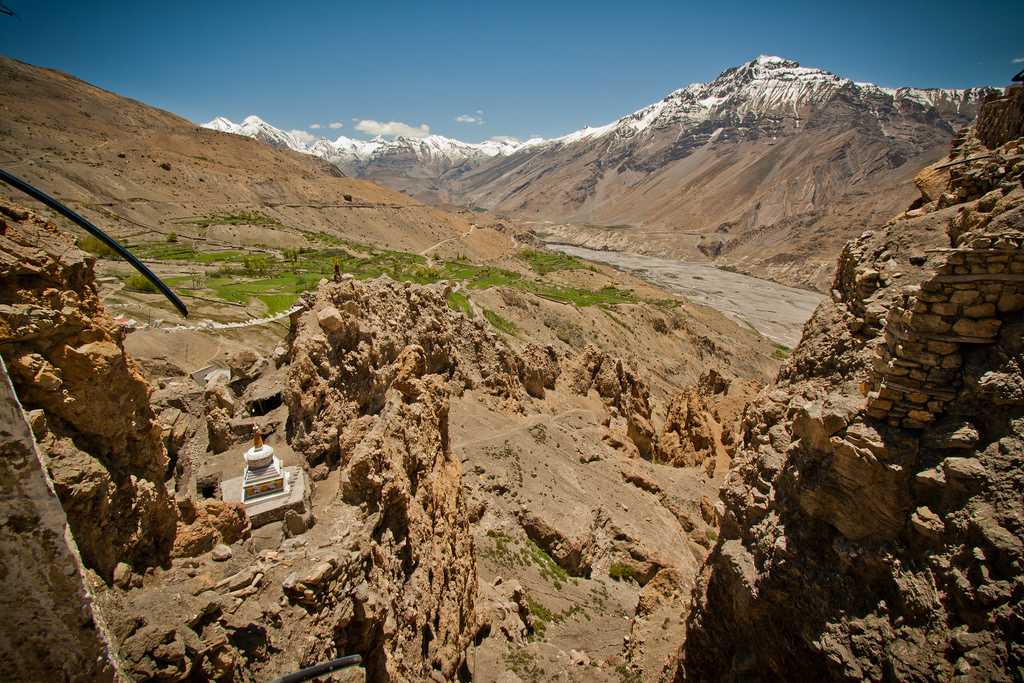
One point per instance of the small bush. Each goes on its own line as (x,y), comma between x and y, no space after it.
(172,237)
(619,571)
(139,283)
(255,265)
(95,246)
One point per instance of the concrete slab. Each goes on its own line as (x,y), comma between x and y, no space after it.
(267,510)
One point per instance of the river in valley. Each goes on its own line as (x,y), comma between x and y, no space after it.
(776,311)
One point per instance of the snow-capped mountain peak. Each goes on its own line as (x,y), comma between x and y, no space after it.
(346,152)
(766,88)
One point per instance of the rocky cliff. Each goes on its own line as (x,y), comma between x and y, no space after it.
(873,518)
(368,392)
(88,402)
(51,631)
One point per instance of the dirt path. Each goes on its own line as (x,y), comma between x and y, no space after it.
(446,241)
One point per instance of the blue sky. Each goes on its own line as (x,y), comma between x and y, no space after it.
(522,68)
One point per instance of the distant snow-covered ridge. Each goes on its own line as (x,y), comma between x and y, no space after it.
(765,86)
(346,151)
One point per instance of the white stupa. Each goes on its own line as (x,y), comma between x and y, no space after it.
(264,477)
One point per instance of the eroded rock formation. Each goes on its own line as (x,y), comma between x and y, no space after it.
(88,402)
(871,527)
(341,371)
(626,395)
(377,403)
(51,631)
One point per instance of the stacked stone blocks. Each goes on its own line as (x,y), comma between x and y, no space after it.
(918,369)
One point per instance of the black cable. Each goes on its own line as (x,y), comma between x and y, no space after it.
(20,184)
(319,669)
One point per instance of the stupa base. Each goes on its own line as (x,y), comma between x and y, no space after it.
(266,509)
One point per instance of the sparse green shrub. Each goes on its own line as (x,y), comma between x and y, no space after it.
(139,283)
(506,326)
(620,571)
(546,565)
(255,265)
(172,237)
(544,262)
(95,247)
(457,301)
(542,616)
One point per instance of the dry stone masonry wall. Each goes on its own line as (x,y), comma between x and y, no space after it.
(964,302)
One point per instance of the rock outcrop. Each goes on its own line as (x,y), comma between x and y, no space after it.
(373,364)
(51,631)
(341,372)
(88,402)
(873,522)
(687,437)
(623,392)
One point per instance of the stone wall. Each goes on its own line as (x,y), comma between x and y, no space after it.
(964,302)
(1002,118)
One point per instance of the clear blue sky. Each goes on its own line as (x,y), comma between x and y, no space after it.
(532,68)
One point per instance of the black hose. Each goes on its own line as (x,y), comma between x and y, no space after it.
(20,184)
(318,669)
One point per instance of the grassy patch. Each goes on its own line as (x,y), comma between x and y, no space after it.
(544,262)
(542,616)
(457,301)
(619,571)
(506,326)
(506,553)
(547,567)
(139,283)
(521,663)
(278,293)
(239,218)
(781,352)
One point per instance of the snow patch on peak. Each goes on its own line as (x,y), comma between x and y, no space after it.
(771,59)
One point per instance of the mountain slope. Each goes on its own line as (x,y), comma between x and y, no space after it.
(769,168)
(138,170)
(748,168)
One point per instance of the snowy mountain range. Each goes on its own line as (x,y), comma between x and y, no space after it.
(347,152)
(765,88)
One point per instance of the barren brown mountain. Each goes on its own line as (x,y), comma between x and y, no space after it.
(139,170)
(769,169)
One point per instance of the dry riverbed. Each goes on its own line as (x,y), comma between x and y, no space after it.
(776,311)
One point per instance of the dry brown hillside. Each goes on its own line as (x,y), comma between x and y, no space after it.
(136,169)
